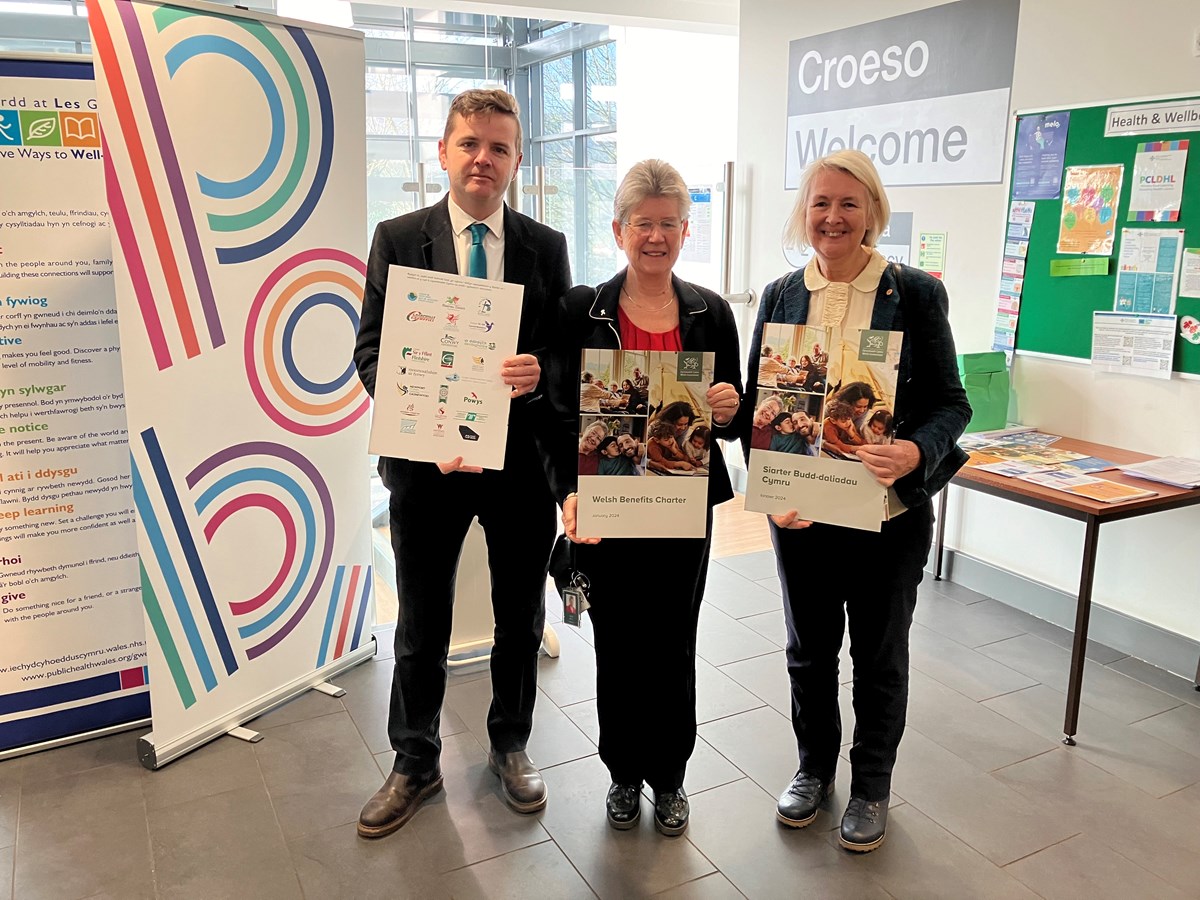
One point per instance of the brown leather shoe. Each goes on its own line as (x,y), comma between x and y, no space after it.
(520,783)
(396,802)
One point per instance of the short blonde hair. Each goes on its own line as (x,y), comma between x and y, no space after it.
(646,179)
(483,102)
(858,166)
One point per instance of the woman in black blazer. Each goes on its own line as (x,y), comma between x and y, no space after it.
(645,696)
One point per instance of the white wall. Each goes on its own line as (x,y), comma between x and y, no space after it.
(1068,52)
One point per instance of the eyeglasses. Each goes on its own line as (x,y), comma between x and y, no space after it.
(645,226)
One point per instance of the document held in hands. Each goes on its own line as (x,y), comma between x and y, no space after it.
(822,393)
(645,443)
(438,393)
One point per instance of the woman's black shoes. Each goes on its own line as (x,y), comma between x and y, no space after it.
(671,812)
(624,805)
(863,824)
(798,804)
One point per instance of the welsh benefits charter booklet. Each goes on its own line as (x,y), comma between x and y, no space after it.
(645,438)
(810,415)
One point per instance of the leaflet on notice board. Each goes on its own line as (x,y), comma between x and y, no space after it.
(438,393)
(645,443)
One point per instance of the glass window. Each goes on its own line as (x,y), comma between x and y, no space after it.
(558,96)
(388,101)
(600,80)
(559,159)
(435,89)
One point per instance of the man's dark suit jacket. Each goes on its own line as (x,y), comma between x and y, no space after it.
(534,255)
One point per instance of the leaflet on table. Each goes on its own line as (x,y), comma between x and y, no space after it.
(1174,470)
(438,393)
(645,439)
(1085,486)
(807,429)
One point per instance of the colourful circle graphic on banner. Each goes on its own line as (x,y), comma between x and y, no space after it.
(275,367)
(283,482)
(282,190)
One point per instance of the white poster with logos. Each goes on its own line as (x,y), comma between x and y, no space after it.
(72,644)
(927,106)
(238,249)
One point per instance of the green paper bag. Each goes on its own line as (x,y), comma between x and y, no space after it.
(985,377)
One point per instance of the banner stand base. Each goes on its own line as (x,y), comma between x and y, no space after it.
(14,752)
(331,689)
(245,734)
(154,755)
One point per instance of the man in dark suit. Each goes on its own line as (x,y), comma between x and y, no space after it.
(471,232)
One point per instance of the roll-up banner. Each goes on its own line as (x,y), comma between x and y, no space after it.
(234,148)
(72,644)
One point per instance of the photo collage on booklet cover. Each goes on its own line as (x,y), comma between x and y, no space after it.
(645,412)
(825,392)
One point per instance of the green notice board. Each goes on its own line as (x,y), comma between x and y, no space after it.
(1056,312)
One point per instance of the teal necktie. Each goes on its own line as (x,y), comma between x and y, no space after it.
(477,263)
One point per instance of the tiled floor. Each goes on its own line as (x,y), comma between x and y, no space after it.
(987,802)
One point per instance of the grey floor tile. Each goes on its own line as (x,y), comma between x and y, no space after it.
(718,695)
(82,834)
(735,827)
(1063,637)
(1122,750)
(751,565)
(368,695)
(759,742)
(1177,686)
(956,592)
(118,750)
(554,740)
(309,705)
(584,717)
(980,623)
(708,769)
(770,625)
(1116,814)
(224,846)
(721,639)
(468,821)
(616,864)
(771,584)
(571,678)
(1084,869)
(6,873)
(10,801)
(220,765)
(738,596)
(337,863)
(961,668)
(954,793)
(711,887)
(1179,727)
(766,677)
(969,730)
(1117,695)
(539,871)
(319,773)
(919,859)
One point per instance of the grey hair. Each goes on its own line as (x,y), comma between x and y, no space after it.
(858,166)
(650,178)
